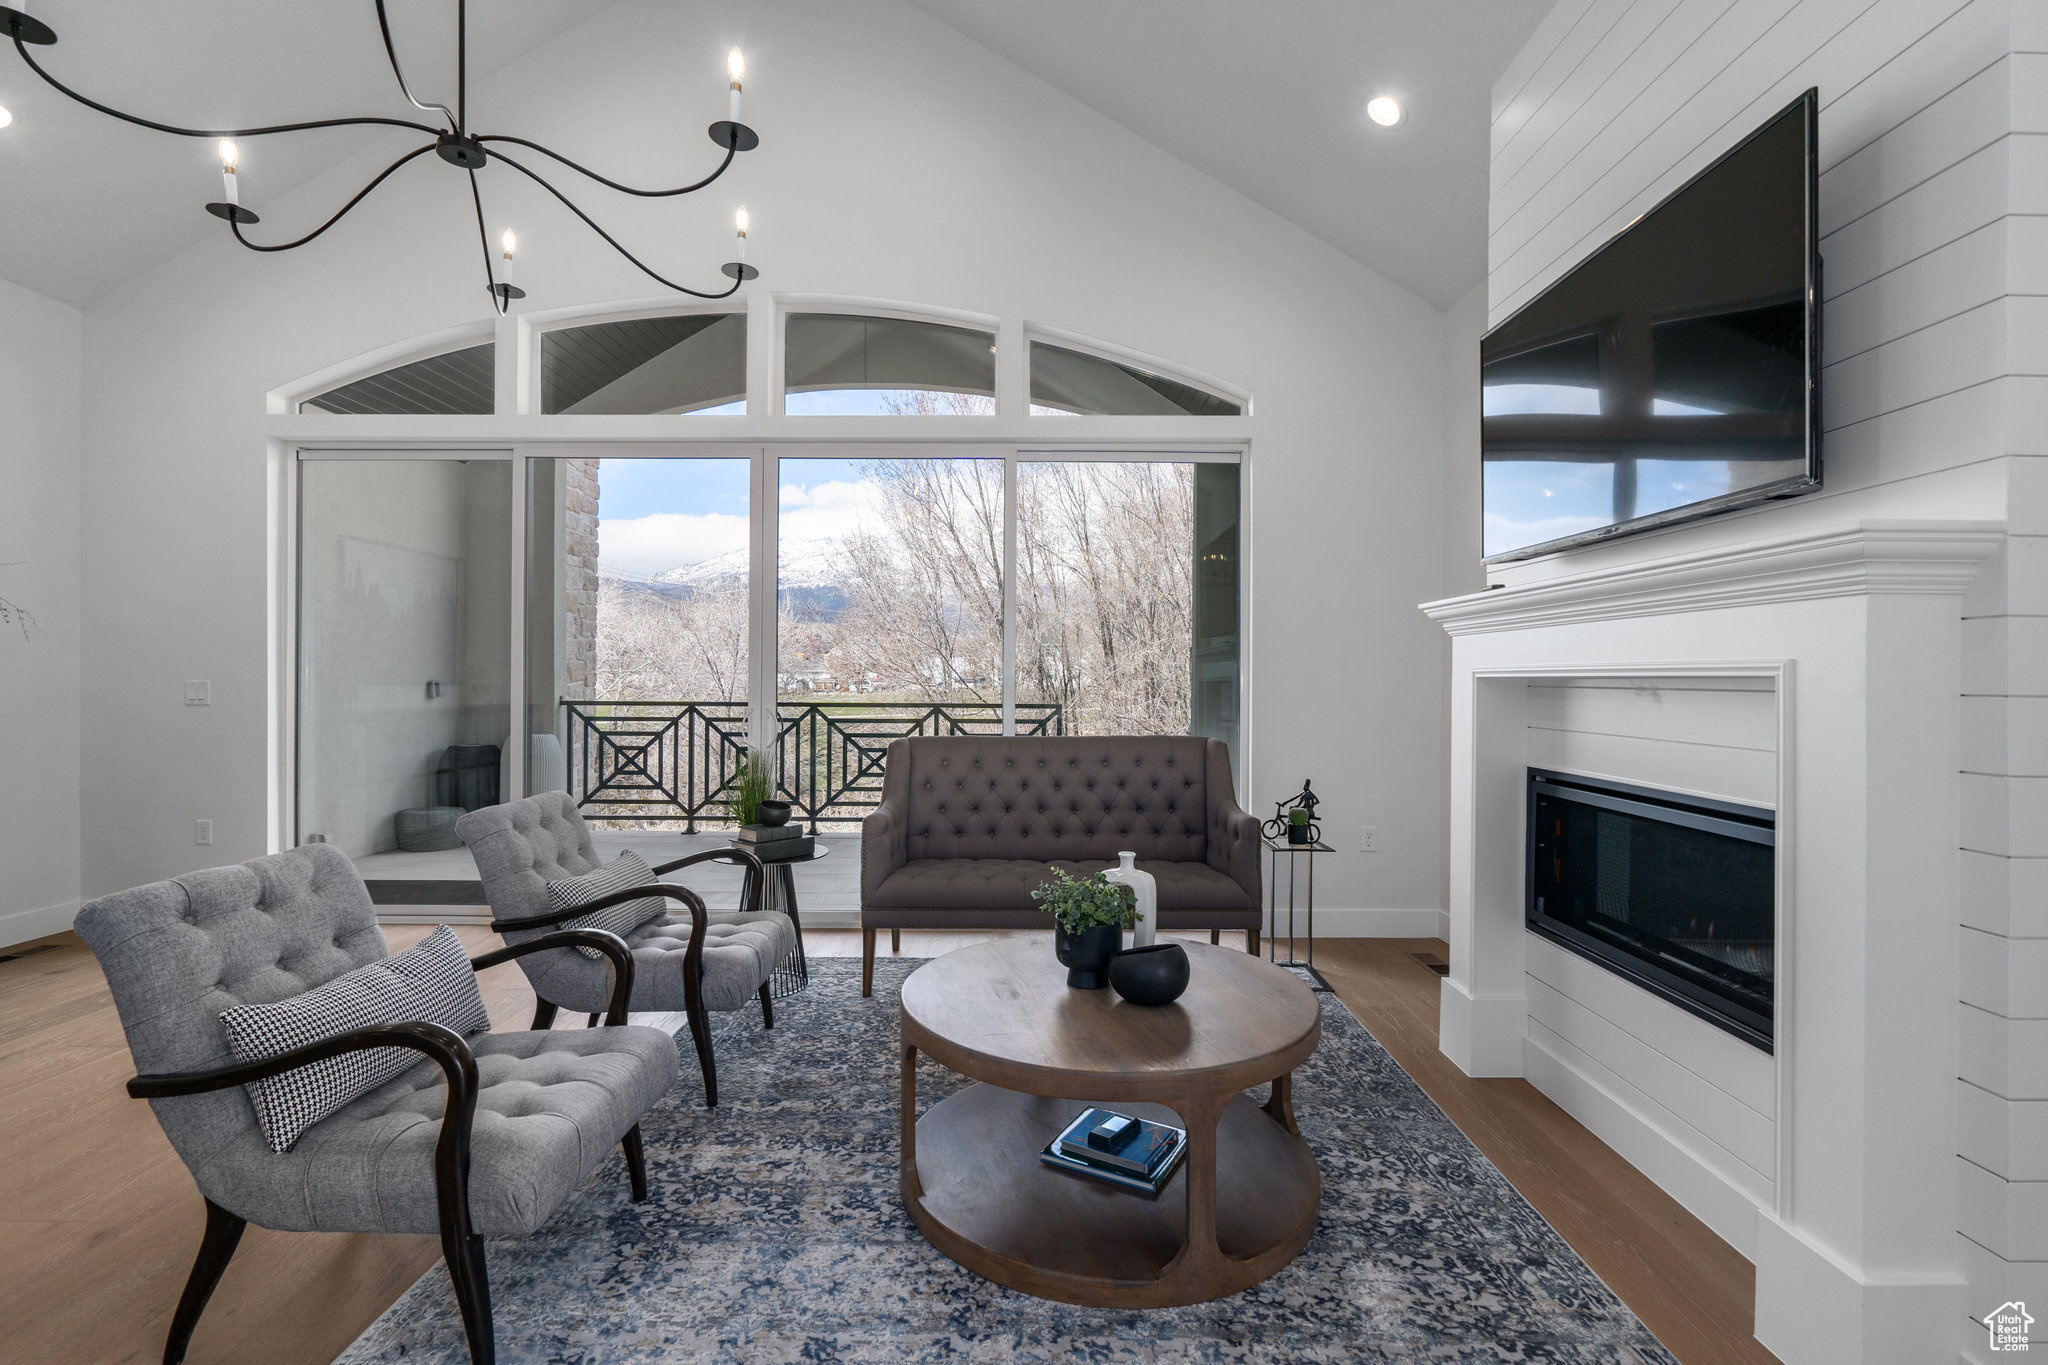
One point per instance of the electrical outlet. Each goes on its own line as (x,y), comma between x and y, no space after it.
(1368,839)
(202,832)
(198,692)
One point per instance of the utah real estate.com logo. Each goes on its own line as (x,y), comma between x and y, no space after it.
(2008,1324)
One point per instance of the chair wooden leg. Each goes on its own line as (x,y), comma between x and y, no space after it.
(543,1015)
(895,940)
(1215,936)
(700,1034)
(216,1248)
(636,1163)
(867,961)
(464,1252)
(1251,942)
(767,1007)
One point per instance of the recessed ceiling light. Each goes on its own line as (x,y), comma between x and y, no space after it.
(5,116)
(1385,110)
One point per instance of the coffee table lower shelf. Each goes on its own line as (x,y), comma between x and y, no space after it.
(973,1183)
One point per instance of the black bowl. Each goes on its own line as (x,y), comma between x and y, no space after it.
(1150,976)
(772,813)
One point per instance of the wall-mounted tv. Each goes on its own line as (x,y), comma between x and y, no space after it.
(1675,372)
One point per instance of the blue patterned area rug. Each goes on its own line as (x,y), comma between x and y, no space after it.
(773,1233)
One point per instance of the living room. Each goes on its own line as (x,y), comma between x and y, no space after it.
(1051,431)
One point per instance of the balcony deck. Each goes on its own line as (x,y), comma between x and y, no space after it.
(431,887)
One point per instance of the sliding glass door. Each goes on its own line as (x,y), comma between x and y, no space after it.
(678,609)
(404,684)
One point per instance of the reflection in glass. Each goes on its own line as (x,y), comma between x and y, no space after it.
(1065,382)
(459,383)
(1529,502)
(1563,377)
(843,365)
(695,363)
(404,630)
(1745,360)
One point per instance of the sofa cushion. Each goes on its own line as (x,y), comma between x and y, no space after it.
(627,870)
(1045,797)
(1007,883)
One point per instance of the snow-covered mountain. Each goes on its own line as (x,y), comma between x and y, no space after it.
(811,577)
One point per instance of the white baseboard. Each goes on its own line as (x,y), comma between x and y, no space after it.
(1675,1169)
(1337,923)
(19,926)
(1813,1308)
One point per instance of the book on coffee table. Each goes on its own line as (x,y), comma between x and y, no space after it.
(1145,1165)
(782,850)
(767,834)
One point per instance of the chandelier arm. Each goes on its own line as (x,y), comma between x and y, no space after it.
(730,152)
(66,90)
(483,237)
(592,225)
(361,194)
(391,51)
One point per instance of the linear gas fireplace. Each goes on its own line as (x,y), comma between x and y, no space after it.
(1674,892)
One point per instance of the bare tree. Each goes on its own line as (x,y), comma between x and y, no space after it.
(656,647)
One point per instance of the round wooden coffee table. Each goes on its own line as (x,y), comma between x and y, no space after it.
(1002,1014)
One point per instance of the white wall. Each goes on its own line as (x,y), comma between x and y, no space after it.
(39,571)
(899,161)
(1934,223)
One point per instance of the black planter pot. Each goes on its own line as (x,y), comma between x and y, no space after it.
(1154,975)
(1085,954)
(772,813)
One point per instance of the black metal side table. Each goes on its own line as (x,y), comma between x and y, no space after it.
(1295,853)
(780,894)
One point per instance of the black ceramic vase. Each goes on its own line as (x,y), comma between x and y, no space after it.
(772,813)
(1154,975)
(1085,954)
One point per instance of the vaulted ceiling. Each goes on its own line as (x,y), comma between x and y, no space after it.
(1267,98)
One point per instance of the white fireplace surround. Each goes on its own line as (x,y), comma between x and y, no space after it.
(1856,632)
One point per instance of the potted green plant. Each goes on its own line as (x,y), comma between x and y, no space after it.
(1297,827)
(1089,919)
(752,783)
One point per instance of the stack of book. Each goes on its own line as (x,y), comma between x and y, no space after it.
(1102,1144)
(776,843)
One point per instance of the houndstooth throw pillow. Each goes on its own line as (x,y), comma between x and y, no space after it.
(431,980)
(628,869)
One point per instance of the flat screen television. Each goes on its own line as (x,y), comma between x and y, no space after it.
(1675,372)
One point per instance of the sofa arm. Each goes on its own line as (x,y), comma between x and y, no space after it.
(1234,839)
(882,848)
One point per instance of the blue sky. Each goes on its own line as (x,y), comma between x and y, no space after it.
(659,514)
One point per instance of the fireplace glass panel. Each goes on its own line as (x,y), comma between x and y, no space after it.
(1674,895)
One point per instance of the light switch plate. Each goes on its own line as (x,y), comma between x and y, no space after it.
(202,832)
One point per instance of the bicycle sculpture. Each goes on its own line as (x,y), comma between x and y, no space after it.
(1294,819)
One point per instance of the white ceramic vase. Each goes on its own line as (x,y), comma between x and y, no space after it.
(1146,888)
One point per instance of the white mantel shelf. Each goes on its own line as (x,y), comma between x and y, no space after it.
(1868,558)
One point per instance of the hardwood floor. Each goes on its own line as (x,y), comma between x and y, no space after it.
(99,1220)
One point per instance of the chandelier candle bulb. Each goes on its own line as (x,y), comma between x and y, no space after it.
(737,65)
(229,158)
(511,243)
(739,221)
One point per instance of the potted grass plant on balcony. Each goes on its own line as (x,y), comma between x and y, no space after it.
(1089,918)
(753,783)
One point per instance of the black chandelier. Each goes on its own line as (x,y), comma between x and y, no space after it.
(453,143)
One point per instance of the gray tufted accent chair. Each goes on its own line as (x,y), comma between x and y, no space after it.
(700,961)
(488,1140)
(968,825)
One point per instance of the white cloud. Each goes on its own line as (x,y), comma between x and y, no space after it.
(826,511)
(652,544)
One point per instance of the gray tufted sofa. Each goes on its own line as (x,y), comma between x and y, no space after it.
(534,1113)
(703,960)
(968,826)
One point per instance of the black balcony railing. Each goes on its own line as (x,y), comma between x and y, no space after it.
(670,762)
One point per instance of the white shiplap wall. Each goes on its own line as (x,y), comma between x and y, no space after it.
(1703,1090)
(1934,226)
